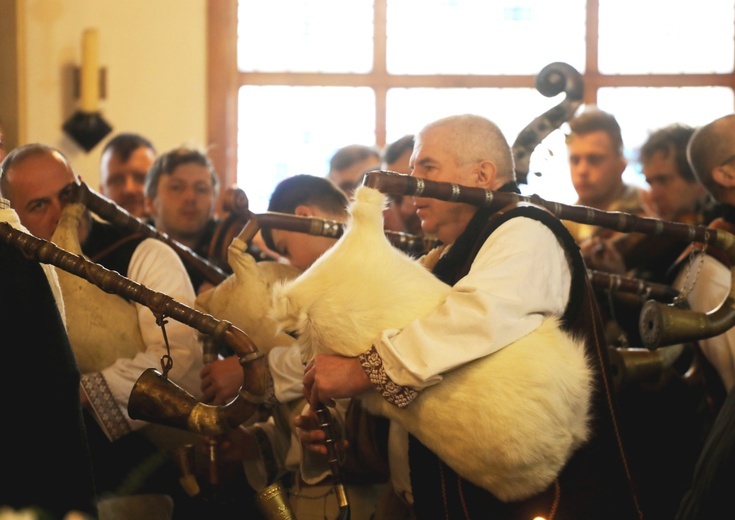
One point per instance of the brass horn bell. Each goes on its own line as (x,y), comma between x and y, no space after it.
(274,504)
(157,399)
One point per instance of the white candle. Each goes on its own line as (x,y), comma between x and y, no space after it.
(90,85)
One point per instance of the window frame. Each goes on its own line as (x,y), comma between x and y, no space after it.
(224,79)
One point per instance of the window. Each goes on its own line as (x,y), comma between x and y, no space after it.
(291,81)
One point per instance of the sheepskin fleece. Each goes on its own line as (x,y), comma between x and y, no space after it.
(102,327)
(244,297)
(523,410)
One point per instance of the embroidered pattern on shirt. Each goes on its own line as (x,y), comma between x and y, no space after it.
(104,405)
(396,394)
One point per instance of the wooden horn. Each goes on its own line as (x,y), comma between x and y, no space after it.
(329,228)
(626,284)
(154,397)
(119,217)
(660,324)
(420,245)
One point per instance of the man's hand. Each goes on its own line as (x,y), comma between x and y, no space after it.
(312,436)
(221,380)
(329,377)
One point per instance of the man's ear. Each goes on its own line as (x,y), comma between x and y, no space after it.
(724,177)
(304,211)
(485,174)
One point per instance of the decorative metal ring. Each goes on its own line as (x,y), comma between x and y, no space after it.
(420,186)
(331,229)
(590,215)
(250,357)
(455,193)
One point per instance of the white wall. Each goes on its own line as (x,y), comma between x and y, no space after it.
(155,55)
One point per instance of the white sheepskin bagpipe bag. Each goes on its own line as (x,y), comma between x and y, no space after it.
(507,422)
(102,327)
(244,297)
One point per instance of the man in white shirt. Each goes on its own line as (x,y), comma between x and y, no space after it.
(507,274)
(711,153)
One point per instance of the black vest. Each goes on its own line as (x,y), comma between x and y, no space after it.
(111,247)
(45,457)
(595,483)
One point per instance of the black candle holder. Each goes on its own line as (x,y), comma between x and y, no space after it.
(87,129)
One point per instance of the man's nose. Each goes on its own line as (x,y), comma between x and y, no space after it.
(580,168)
(56,208)
(131,184)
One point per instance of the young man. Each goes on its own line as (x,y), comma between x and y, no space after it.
(676,195)
(37,180)
(124,164)
(348,165)
(271,449)
(507,274)
(180,194)
(596,164)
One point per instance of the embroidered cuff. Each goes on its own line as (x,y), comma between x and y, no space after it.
(398,395)
(108,413)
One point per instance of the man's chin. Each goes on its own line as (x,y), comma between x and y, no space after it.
(135,209)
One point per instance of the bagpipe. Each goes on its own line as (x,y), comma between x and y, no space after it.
(156,399)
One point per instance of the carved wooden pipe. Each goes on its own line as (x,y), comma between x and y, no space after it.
(119,217)
(660,324)
(154,397)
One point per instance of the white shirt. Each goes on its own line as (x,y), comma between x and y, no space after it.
(156,266)
(7,214)
(710,289)
(519,276)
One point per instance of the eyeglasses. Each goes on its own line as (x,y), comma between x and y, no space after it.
(726,161)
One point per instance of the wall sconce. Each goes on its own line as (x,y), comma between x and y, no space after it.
(87,126)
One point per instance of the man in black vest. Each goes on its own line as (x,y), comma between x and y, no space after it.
(508,272)
(38,180)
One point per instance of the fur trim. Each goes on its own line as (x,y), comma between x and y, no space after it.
(243,298)
(528,407)
(333,304)
(528,403)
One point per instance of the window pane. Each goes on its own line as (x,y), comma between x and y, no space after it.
(643,110)
(305,36)
(483,37)
(666,37)
(284,131)
(511,109)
